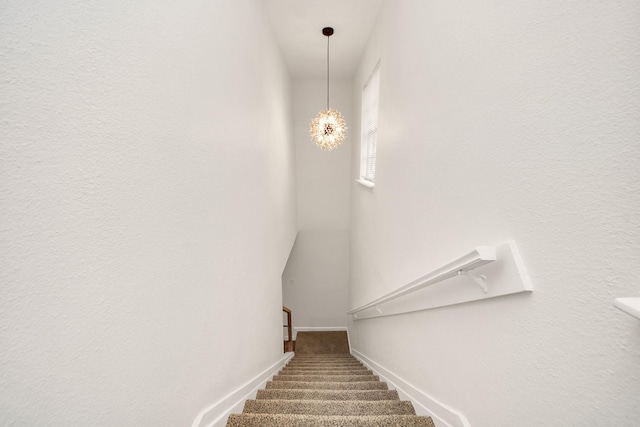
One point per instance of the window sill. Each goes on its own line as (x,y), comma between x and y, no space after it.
(365,183)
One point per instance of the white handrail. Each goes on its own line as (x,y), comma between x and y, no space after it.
(479,256)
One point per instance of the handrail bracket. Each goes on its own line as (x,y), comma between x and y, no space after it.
(478,279)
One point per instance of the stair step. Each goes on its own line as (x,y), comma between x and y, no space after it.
(329,407)
(300,394)
(325,363)
(325,378)
(292,420)
(302,357)
(325,367)
(333,356)
(325,360)
(325,372)
(301,385)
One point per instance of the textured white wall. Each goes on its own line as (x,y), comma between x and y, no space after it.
(319,262)
(499,121)
(147,208)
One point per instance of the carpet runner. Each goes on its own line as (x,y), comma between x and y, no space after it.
(327,390)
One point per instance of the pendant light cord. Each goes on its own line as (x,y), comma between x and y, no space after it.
(328,72)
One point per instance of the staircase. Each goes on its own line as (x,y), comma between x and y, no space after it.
(330,389)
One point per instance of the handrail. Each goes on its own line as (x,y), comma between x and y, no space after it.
(289,342)
(461,266)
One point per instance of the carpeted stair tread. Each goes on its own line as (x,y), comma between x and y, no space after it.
(316,367)
(339,359)
(285,394)
(293,420)
(340,369)
(325,372)
(338,356)
(330,378)
(327,365)
(325,368)
(308,385)
(301,356)
(339,366)
(329,407)
(325,362)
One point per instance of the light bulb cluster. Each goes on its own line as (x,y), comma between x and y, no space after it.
(328,129)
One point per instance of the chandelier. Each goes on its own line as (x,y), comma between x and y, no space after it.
(328,129)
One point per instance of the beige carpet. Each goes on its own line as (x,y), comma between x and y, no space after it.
(322,342)
(330,388)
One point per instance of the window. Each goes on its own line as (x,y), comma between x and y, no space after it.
(369,127)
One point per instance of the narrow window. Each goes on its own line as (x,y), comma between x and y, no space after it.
(369,138)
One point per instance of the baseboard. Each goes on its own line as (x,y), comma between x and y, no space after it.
(297,329)
(443,415)
(216,414)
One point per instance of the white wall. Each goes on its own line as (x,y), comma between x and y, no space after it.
(147,208)
(507,121)
(315,281)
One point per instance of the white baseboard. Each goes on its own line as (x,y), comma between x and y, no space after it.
(216,414)
(443,415)
(297,329)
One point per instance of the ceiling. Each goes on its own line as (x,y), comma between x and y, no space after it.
(297,26)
